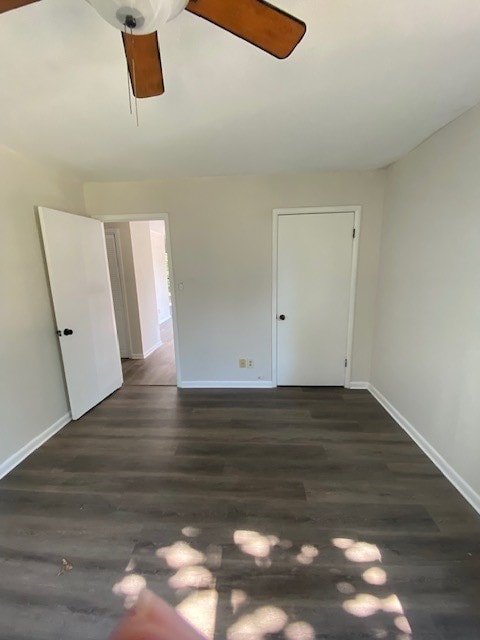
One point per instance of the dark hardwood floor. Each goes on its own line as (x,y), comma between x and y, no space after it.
(159,367)
(284,513)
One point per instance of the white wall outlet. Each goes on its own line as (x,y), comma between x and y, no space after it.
(250,363)
(242,363)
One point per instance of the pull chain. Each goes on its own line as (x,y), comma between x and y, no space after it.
(134,78)
(128,82)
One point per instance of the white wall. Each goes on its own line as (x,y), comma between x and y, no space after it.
(145,282)
(427,340)
(32,390)
(221,234)
(157,235)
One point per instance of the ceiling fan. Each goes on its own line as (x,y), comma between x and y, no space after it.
(256,21)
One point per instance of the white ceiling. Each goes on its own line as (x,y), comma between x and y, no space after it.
(370,80)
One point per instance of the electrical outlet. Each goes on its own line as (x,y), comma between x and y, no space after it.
(250,363)
(242,363)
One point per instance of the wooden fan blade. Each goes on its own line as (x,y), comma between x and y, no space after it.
(255,21)
(144,65)
(8,5)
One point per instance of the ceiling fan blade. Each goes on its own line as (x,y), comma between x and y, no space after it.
(7,5)
(144,65)
(255,21)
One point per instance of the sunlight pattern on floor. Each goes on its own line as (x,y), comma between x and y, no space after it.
(193,579)
(365,605)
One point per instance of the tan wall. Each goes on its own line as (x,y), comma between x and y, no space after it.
(32,390)
(427,339)
(221,233)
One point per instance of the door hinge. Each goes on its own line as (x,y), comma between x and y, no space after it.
(354,233)
(346,362)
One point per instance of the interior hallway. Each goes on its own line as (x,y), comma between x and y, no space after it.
(158,368)
(311,502)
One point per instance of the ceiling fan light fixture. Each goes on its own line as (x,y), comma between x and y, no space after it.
(147,15)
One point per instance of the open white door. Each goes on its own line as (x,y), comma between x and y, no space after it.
(314,278)
(82,300)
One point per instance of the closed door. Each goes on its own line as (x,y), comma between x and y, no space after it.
(314,273)
(82,300)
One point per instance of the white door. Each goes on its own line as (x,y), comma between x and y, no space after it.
(314,273)
(82,300)
(116,282)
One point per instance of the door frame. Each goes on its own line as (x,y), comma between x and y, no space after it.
(357,214)
(149,217)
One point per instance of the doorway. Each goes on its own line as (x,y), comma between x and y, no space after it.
(143,297)
(314,275)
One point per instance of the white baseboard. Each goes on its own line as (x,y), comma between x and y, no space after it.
(226,384)
(145,354)
(15,459)
(358,385)
(152,349)
(449,472)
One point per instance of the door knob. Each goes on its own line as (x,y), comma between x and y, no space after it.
(67,332)
(281,316)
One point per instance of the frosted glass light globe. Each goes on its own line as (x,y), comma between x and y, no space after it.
(148,14)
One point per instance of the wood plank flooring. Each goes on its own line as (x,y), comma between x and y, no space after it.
(159,367)
(278,513)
